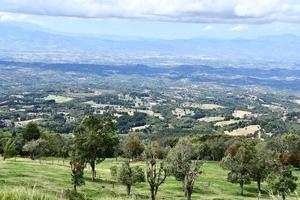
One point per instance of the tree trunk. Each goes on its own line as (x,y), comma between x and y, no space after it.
(93,166)
(258,187)
(153,195)
(242,188)
(283,197)
(128,189)
(155,192)
(188,196)
(75,189)
(188,192)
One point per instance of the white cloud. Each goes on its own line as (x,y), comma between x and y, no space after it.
(239,28)
(208,28)
(199,11)
(5,17)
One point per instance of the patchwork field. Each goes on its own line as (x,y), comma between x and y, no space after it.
(48,180)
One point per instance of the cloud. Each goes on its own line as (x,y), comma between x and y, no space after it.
(207,28)
(239,28)
(6,17)
(197,11)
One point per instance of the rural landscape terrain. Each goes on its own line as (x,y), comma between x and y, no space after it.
(159,100)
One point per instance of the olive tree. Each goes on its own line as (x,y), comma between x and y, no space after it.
(156,171)
(156,175)
(184,166)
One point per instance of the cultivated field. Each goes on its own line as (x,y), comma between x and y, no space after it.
(244,131)
(29,179)
(241,114)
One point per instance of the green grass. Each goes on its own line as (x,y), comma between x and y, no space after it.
(58,99)
(49,178)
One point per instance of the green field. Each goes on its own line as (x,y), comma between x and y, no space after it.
(58,99)
(48,179)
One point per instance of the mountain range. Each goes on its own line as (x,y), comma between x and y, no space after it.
(25,37)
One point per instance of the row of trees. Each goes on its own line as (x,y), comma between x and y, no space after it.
(33,142)
(95,139)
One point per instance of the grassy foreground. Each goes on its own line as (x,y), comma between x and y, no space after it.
(47,180)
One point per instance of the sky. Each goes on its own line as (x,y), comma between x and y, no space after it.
(167,19)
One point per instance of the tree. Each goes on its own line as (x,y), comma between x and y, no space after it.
(34,148)
(66,147)
(31,132)
(9,149)
(261,165)
(282,181)
(77,169)
(132,146)
(4,137)
(155,150)
(190,177)
(180,157)
(114,173)
(94,140)
(156,175)
(240,162)
(129,176)
(183,166)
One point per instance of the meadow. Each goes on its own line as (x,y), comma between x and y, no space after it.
(22,178)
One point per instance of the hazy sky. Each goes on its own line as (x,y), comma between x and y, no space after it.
(159,18)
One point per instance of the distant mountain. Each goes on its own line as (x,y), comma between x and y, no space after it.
(16,37)
(288,79)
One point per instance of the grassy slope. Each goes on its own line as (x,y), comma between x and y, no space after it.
(52,179)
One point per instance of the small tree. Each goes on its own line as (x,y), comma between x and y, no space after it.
(34,148)
(282,181)
(129,176)
(239,163)
(94,140)
(77,169)
(113,174)
(261,165)
(183,166)
(190,177)
(132,146)
(9,149)
(156,175)
(155,150)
